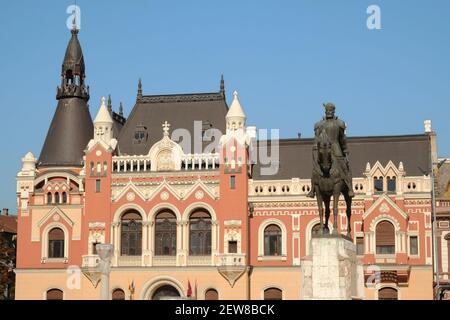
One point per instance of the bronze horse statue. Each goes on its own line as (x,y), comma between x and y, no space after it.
(330,182)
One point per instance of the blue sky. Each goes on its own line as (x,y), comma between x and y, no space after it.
(284,57)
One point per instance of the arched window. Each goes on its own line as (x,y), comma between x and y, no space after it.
(105,167)
(273,294)
(54,294)
(164,292)
(165,234)
(131,234)
(387,294)
(57,197)
(49,198)
(378,184)
(64,197)
(92,168)
(118,294)
(56,243)
(385,238)
(200,233)
(211,294)
(272,240)
(391,185)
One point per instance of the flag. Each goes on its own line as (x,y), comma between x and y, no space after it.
(189,290)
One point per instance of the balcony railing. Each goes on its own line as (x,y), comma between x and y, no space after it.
(143,163)
(90,261)
(199,261)
(164,261)
(232,259)
(129,261)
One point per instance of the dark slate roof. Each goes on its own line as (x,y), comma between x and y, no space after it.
(179,110)
(296,155)
(71,127)
(118,123)
(68,135)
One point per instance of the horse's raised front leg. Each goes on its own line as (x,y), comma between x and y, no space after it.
(319,204)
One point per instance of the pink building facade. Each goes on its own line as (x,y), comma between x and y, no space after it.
(214,220)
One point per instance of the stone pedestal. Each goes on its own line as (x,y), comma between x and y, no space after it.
(332,271)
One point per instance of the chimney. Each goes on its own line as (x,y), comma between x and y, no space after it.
(5,211)
(427,126)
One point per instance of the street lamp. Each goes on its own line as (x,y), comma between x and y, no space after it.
(105,252)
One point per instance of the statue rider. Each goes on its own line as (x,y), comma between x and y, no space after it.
(334,129)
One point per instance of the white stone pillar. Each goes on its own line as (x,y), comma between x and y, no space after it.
(332,271)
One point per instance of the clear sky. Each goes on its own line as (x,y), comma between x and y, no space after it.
(284,57)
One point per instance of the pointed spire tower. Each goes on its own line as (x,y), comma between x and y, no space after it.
(235,116)
(103,124)
(71,127)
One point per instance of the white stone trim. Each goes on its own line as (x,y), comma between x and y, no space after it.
(44,242)
(414,233)
(150,286)
(66,175)
(52,212)
(128,206)
(199,205)
(399,236)
(261,229)
(386,198)
(129,187)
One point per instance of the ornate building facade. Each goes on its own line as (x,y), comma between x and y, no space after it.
(209,224)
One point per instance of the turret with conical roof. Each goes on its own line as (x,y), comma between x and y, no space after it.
(235,116)
(71,127)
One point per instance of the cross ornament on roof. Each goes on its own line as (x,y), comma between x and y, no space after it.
(166,127)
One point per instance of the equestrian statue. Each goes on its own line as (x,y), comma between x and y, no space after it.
(331,174)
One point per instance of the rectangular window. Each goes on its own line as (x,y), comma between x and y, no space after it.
(56,249)
(97,185)
(232,246)
(360,246)
(413,246)
(233,182)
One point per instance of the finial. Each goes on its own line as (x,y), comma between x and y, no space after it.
(166,127)
(139,93)
(109,104)
(235,95)
(74,30)
(103,101)
(222,84)
(120,109)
